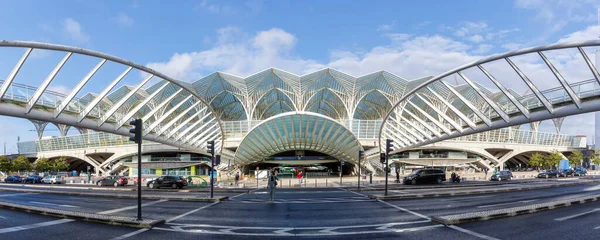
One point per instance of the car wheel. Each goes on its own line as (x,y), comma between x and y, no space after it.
(99,184)
(174,186)
(414,182)
(547,176)
(151,185)
(116,184)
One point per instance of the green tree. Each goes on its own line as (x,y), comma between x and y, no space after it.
(595,157)
(553,159)
(536,160)
(43,165)
(5,164)
(576,157)
(60,164)
(21,163)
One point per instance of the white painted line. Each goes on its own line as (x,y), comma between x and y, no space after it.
(130,207)
(359,194)
(53,204)
(15,194)
(382,226)
(2,217)
(479,235)
(131,234)
(465,198)
(598,227)
(37,225)
(576,215)
(237,195)
(502,204)
(190,212)
(405,210)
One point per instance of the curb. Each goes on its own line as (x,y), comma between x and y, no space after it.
(89,217)
(93,187)
(510,212)
(432,195)
(448,186)
(145,197)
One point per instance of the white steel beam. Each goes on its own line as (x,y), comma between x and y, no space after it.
(590,64)
(124,99)
(163,103)
(470,105)
(422,131)
(505,91)
(416,136)
(532,87)
(457,126)
(184,123)
(193,134)
(485,97)
(562,81)
(451,107)
(40,90)
(431,118)
(426,125)
(8,81)
(193,126)
(101,96)
(166,115)
(174,120)
(137,108)
(65,102)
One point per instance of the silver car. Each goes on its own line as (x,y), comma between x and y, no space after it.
(54,180)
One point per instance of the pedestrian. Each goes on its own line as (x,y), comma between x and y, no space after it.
(300,176)
(397,175)
(237,178)
(485,171)
(273,184)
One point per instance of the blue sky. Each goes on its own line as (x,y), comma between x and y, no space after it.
(190,39)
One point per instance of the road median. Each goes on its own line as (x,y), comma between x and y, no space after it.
(478,191)
(90,217)
(510,212)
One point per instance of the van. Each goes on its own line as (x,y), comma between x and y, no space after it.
(425,176)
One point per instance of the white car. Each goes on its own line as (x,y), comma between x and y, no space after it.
(54,179)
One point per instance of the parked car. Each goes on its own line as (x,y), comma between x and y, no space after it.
(112,181)
(33,179)
(425,176)
(501,176)
(168,181)
(146,180)
(54,179)
(13,179)
(580,172)
(548,174)
(185,182)
(566,173)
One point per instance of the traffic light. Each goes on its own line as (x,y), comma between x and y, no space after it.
(382,158)
(217,159)
(389,146)
(361,154)
(136,130)
(210,147)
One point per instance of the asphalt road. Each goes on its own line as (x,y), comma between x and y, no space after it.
(324,213)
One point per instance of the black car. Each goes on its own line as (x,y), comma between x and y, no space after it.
(33,179)
(13,179)
(425,176)
(549,173)
(566,173)
(502,175)
(168,181)
(112,181)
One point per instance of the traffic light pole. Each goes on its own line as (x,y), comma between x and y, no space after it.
(212,170)
(139,182)
(359,157)
(385,168)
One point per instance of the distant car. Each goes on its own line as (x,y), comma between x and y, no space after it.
(33,179)
(580,172)
(13,179)
(566,173)
(501,176)
(425,176)
(168,181)
(112,181)
(146,180)
(53,180)
(185,182)
(549,174)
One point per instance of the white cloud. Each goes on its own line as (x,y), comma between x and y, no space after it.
(125,20)
(398,37)
(590,33)
(559,13)
(386,27)
(483,48)
(74,30)
(205,5)
(512,46)
(59,89)
(476,38)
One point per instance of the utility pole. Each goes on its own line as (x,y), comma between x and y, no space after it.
(361,153)
(389,147)
(210,147)
(137,138)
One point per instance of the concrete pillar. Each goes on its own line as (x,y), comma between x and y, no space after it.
(159,171)
(130,171)
(193,170)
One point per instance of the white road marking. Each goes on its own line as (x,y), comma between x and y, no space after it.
(2,217)
(502,204)
(302,228)
(190,212)
(598,227)
(15,194)
(37,225)
(130,207)
(359,194)
(237,195)
(405,210)
(53,204)
(466,198)
(131,234)
(576,215)
(479,235)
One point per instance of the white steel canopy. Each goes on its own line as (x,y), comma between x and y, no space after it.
(298,131)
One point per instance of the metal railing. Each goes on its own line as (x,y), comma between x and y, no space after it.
(89,140)
(517,136)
